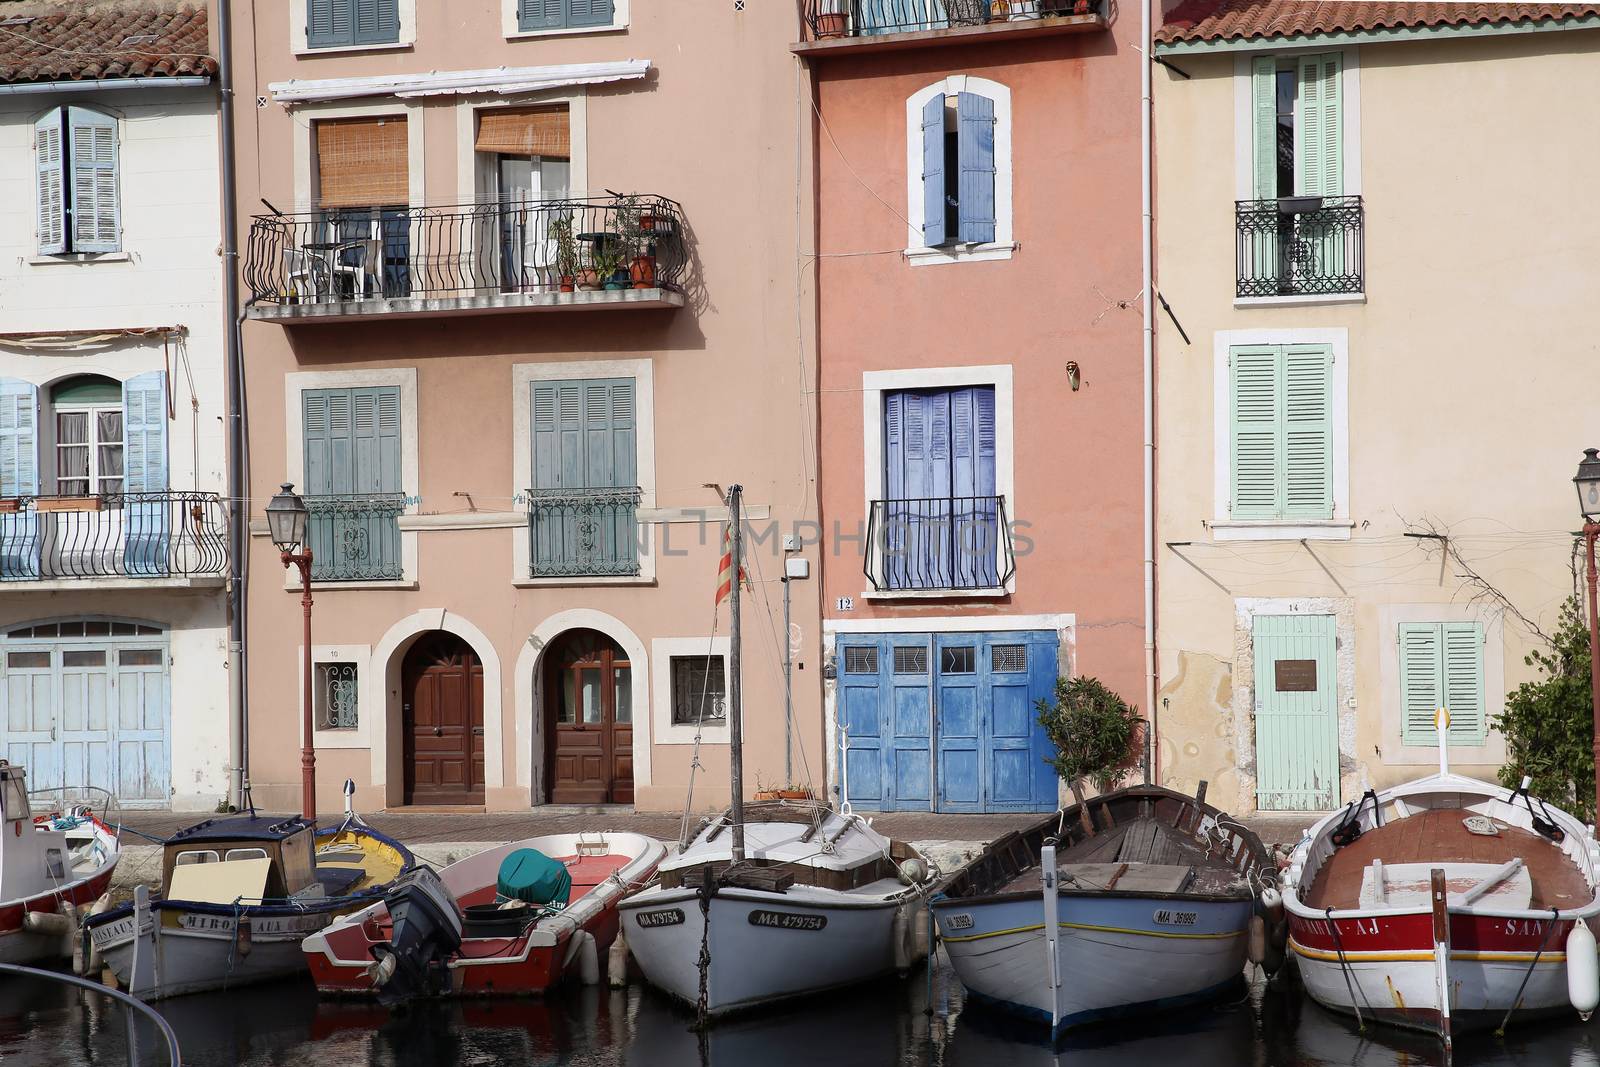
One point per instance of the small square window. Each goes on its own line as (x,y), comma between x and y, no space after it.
(1009,659)
(699,691)
(84,658)
(910,659)
(139,657)
(25,660)
(961,659)
(860,659)
(335,695)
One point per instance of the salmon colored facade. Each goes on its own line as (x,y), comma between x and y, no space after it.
(488,637)
(1017,338)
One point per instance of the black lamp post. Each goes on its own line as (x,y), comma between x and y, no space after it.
(286,522)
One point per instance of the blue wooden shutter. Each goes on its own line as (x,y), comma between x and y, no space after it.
(50,194)
(96,210)
(546,437)
(147,518)
(588,12)
(974,514)
(19,477)
(540,14)
(330,22)
(377,21)
(352,450)
(1256,431)
(1307,435)
(375,440)
(975,153)
(933,164)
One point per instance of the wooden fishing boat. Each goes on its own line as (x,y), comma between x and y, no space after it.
(480,941)
(1441,904)
(53,865)
(820,900)
(239,893)
(1141,902)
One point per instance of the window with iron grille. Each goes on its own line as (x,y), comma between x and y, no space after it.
(860,659)
(910,659)
(334,696)
(1009,659)
(699,690)
(961,659)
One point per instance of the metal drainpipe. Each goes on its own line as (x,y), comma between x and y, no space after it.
(1147,240)
(238,490)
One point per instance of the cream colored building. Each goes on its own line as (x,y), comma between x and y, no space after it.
(1375,241)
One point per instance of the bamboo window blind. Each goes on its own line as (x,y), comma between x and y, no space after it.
(525,131)
(362,162)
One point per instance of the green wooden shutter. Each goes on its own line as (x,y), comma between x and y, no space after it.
(588,12)
(1319,126)
(1264,121)
(540,14)
(377,21)
(49,189)
(1462,644)
(1441,666)
(352,454)
(1307,464)
(330,23)
(1421,681)
(584,445)
(1257,430)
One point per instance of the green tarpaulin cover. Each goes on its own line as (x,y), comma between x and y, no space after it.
(528,874)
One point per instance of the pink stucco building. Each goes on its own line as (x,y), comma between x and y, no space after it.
(978,261)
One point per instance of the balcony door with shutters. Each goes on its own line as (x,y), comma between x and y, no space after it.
(442,720)
(940,513)
(527,155)
(588,690)
(362,247)
(353,482)
(584,502)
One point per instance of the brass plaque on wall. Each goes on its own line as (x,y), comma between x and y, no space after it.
(1295,675)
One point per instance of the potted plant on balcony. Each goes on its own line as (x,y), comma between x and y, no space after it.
(830,22)
(999,10)
(639,240)
(566,245)
(67,503)
(610,264)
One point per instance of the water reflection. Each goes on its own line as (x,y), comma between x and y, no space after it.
(876,1026)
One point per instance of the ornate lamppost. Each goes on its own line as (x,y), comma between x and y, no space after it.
(286,522)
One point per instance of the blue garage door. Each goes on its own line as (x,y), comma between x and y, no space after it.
(946,722)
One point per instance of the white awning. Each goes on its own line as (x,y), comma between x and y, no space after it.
(501,80)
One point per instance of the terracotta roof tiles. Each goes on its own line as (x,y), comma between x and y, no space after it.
(1246,20)
(71,41)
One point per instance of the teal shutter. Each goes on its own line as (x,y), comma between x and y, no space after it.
(933,164)
(1463,682)
(19,477)
(1441,666)
(975,155)
(377,21)
(1307,465)
(588,12)
(147,517)
(585,477)
(1421,681)
(1264,122)
(50,194)
(1319,127)
(330,23)
(352,463)
(96,212)
(540,14)
(1256,431)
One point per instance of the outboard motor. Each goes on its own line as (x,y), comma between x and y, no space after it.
(426,931)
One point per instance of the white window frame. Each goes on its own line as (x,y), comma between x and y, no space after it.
(873,385)
(94,444)
(370,696)
(1244,151)
(299,42)
(918,253)
(305,116)
(1225,528)
(294,385)
(1395,752)
(621,16)
(663,650)
(523,375)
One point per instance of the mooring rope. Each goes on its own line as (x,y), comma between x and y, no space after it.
(1344,966)
(708,889)
(1516,1002)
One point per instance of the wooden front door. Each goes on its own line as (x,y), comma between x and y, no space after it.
(589,717)
(442,690)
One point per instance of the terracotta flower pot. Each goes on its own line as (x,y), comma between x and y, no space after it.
(568,282)
(830,25)
(647,222)
(767,794)
(642,271)
(999,9)
(795,794)
(67,503)
(10,505)
(588,280)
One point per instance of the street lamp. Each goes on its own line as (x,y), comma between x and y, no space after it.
(286,523)
(1587,481)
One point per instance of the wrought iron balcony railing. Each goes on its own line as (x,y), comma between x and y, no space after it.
(1300,245)
(831,19)
(501,248)
(935,543)
(355,537)
(583,532)
(166,534)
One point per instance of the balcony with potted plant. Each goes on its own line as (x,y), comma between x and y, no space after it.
(837,27)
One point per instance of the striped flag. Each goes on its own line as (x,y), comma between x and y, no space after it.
(725,567)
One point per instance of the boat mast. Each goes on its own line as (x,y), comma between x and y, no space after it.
(735,705)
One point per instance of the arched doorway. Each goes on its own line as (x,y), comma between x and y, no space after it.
(588,715)
(441,691)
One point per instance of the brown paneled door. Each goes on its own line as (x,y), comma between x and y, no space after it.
(442,714)
(589,717)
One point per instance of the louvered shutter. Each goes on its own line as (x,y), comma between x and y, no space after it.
(1463,681)
(1264,125)
(975,154)
(50,196)
(19,477)
(588,12)
(330,23)
(1421,681)
(377,21)
(584,443)
(541,14)
(96,211)
(1307,432)
(1256,431)
(1319,127)
(352,451)
(933,164)
(147,517)
(973,512)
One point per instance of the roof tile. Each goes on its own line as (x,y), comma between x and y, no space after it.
(69,42)
(1248,20)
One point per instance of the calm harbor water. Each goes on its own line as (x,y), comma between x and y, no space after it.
(48,1025)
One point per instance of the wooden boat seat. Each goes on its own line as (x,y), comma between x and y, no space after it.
(1127,877)
(1408,885)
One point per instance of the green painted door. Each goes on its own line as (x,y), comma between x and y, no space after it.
(1297,736)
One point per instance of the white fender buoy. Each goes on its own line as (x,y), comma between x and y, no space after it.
(1583,970)
(52,923)
(1258,940)
(1272,904)
(588,958)
(617,962)
(900,939)
(92,964)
